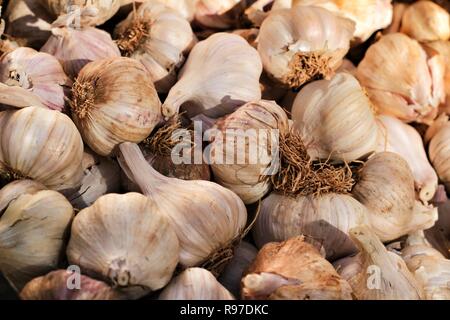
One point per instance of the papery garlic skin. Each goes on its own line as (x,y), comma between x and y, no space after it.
(219,14)
(313,34)
(426,21)
(41,144)
(439,234)
(335,119)
(32,230)
(37,72)
(15,189)
(255,121)
(186,8)
(195,284)
(375,273)
(126,241)
(439,153)
(53,286)
(207,83)
(160,40)
(326,218)
(293,270)
(400,138)
(105,115)
(400,79)
(386,187)
(443,48)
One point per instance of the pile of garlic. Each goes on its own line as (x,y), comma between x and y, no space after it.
(344,196)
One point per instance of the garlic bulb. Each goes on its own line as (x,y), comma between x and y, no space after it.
(400,138)
(195,284)
(375,273)
(399,10)
(386,187)
(205,216)
(54,286)
(40,144)
(347,66)
(186,8)
(126,241)
(439,151)
(443,48)
(335,119)
(401,80)
(208,81)
(426,21)
(293,270)
(103,114)
(326,218)
(76,47)
(32,230)
(312,44)
(101,176)
(219,14)
(105,9)
(429,266)
(37,72)
(439,235)
(231,276)
(13,190)
(257,122)
(158,37)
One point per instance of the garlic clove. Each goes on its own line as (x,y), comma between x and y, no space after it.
(44,217)
(18,97)
(399,10)
(293,270)
(124,240)
(225,59)
(54,286)
(195,284)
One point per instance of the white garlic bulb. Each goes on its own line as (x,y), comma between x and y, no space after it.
(401,138)
(401,80)
(375,273)
(126,241)
(335,119)
(206,217)
(32,229)
(220,74)
(303,43)
(326,219)
(158,37)
(38,72)
(386,187)
(40,144)
(195,284)
(186,8)
(219,14)
(105,115)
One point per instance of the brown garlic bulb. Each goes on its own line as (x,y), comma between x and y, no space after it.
(33,224)
(293,270)
(195,284)
(160,38)
(54,286)
(126,241)
(38,72)
(103,114)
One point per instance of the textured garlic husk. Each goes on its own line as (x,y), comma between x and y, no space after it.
(375,273)
(335,119)
(105,9)
(207,82)
(313,43)
(32,232)
(12,97)
(255,121)
(37,72)
(401,80)
(219,14)
(14,189)
(231,276)
(443,48)
(103,114)
(439,152)
(386,187)
(160,38)
(206,216)
(439,234)
(195,284)
(54,286)
(401,138)
(40,144)
(426,21)
(293,270)
(126,241)
(100,176)
(429,266)
(18,15)
(326,219)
